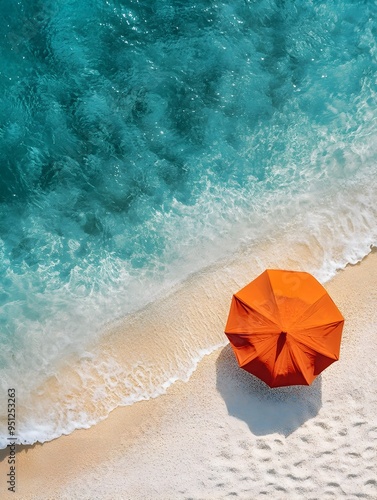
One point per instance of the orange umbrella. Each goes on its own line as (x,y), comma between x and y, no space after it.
(284,328)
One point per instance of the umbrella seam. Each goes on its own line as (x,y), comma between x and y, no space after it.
(259,312)
(273,294)
(310,306)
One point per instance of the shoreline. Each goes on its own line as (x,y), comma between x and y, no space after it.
(139,356)
(168,434)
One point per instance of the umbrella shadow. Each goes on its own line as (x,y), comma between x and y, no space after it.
(266,411)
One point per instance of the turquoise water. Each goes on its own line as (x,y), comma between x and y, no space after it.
(144,140)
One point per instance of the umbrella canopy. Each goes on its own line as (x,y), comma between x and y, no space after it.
(284,328)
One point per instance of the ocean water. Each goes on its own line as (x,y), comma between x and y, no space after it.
(142,141)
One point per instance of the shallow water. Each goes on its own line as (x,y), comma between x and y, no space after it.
(143,141)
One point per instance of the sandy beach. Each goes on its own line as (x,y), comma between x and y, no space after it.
(225,434)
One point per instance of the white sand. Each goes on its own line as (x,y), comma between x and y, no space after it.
(225,434)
